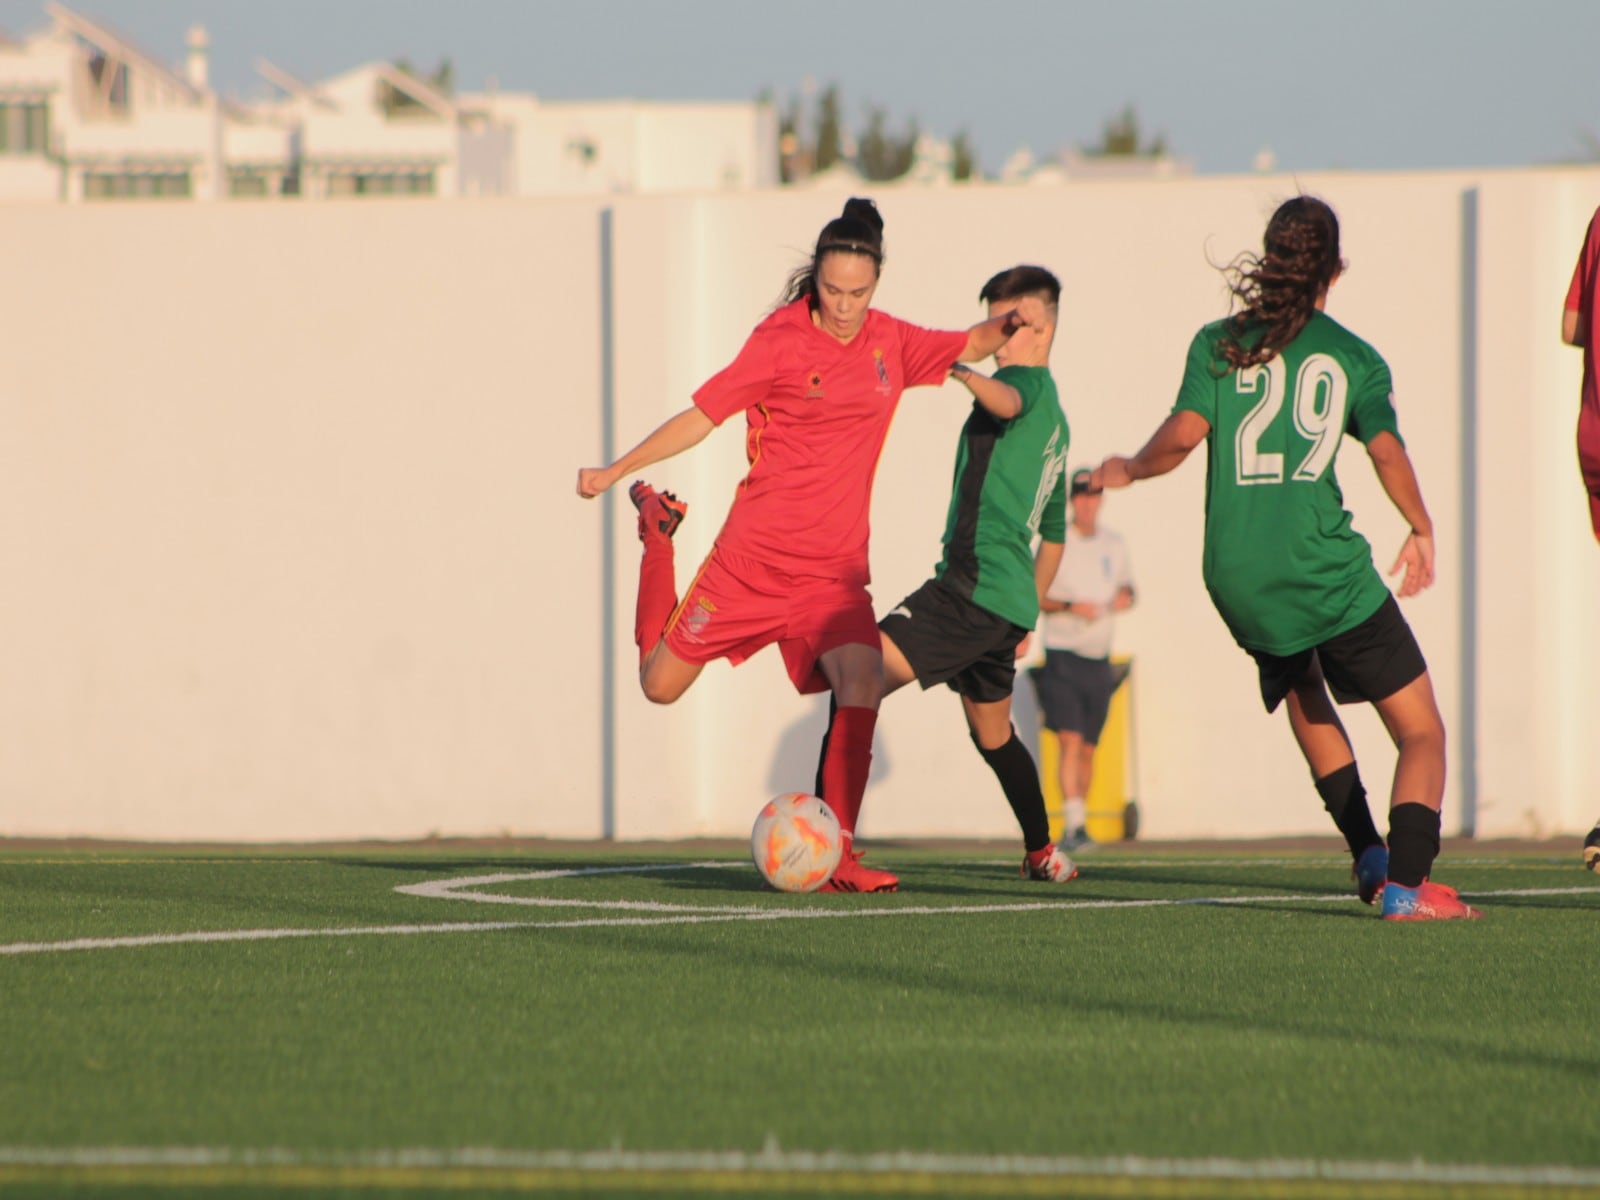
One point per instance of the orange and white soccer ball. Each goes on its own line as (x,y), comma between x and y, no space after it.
(796,842)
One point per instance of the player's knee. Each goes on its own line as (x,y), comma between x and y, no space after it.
(991,739)
(658,691)
(861,690)
(1427,737)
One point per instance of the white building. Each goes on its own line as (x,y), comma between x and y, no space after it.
(86,115)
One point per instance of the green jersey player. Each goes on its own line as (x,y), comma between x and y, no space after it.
(1272,390)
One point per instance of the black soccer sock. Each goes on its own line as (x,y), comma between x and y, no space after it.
(1413,843)
(1346,802)
(1013,766)
(822,754)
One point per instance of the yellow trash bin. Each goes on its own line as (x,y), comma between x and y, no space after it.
(1107,801)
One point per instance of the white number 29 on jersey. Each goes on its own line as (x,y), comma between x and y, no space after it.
(1319,395)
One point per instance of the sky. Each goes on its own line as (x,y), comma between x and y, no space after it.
(1365,84)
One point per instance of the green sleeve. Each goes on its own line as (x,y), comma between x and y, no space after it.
(1198,391)
(1053,521)
(1026,381)
(1370,409)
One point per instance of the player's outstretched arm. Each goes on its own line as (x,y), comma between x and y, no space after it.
(677,434)
(984,338)
(1177,436)
(1399,480)
(999,399)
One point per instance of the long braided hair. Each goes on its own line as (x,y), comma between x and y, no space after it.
(1279,289)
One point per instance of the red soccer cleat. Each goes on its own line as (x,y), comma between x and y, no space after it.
(851,876)
(661,511)
(1048,866)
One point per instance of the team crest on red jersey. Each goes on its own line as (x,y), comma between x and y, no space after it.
(883,373)
(814,386)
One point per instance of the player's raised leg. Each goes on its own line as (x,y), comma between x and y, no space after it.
(663,676)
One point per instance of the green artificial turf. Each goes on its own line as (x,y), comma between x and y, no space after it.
(1294,1026)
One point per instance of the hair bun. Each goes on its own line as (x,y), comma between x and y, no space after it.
(861,209)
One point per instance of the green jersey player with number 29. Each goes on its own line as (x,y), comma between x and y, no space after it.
(1272,390)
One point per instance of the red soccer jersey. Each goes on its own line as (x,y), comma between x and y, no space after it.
(1580,299)
(818,412)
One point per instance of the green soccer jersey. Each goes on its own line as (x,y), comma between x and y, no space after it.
(1009,485)
(1282,563)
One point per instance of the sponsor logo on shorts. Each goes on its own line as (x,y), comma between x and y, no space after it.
(698,617)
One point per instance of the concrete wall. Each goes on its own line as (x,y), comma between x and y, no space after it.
(292,551)
(286,514)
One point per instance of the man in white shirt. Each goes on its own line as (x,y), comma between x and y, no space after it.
(1093,583)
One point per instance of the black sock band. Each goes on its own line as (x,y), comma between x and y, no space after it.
(1346,802)
(1413,843)
(1013,766)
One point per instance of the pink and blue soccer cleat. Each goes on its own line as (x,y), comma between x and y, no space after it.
(1425,902)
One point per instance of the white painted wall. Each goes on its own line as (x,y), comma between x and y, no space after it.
(635,146)
(286,513)
(1539,575)
(292,550)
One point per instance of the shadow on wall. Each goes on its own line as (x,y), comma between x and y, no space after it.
(794,764)
(1025,712)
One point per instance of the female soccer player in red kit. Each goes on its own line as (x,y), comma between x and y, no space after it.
(1579,319)
(818,381)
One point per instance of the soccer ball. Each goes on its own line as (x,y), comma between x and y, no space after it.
(796,842)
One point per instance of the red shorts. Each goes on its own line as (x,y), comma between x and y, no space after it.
(736,605)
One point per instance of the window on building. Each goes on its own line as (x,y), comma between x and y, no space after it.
(109,78)
(418,182)
(248,181)
(121,185)
(24,127)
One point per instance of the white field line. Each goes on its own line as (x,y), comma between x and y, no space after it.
(663,913)
(774,1160)
(1093,856)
